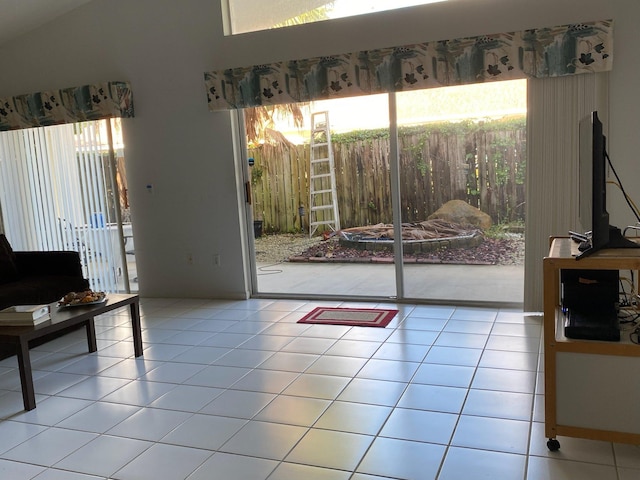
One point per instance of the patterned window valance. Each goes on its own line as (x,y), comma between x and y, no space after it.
(69,105)
(542,52)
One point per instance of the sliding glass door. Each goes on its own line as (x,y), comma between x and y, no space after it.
(304,258)
(430,190)
(63,188)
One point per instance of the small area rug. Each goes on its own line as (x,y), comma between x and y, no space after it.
(358,317)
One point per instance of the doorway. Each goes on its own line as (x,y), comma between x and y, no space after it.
(427,175)
(64,188)
(281,177)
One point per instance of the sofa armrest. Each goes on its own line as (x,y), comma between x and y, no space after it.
(65,263)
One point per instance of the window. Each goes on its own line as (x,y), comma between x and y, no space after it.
(254,15)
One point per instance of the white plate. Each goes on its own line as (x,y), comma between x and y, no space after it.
(83,304)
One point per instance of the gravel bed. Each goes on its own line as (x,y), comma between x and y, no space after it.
(281,248)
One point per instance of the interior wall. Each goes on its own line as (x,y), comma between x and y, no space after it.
(185,153)
(623,141)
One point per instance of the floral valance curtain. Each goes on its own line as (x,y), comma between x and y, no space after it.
(542,52)
(68,105)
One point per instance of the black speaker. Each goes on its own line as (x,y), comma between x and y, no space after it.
(589,290)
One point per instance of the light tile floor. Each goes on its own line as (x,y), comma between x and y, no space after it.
(238,390)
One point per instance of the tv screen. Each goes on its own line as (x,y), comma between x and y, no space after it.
(593,194)
(592,202)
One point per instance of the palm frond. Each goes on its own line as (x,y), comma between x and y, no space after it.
(260,120)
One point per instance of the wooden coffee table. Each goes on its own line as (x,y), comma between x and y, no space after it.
(61,319)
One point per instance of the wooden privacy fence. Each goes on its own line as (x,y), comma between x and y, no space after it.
(479,163)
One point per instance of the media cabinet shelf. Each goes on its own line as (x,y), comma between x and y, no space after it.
(591,387)
(625,347)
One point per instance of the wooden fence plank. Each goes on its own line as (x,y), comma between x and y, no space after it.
(482,167)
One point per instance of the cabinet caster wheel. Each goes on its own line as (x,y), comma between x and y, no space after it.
(553,445)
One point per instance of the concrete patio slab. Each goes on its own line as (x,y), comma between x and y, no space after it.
(457,284)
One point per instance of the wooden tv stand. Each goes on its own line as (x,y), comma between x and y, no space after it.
(592,387)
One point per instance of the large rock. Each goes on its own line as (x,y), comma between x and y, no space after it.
(459,211)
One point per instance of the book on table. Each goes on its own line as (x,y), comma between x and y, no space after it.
(24,315)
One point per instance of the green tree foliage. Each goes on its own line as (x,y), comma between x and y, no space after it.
(315,15)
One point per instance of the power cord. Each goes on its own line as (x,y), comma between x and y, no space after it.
(631,227)
(270,272)
(632,206)
(625,317)
(629,319)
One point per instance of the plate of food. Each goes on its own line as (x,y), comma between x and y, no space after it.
(81,299)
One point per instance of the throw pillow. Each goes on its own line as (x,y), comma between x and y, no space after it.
(8,268)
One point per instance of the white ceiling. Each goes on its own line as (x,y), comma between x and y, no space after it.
(18,17)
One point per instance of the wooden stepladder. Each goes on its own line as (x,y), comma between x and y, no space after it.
(323,198)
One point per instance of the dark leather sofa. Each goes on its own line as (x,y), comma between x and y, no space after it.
(34,278)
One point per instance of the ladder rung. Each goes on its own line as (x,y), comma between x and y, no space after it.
(318,192)
(322,175)
(319,144)
(325,222)
(328,222)
(321,207)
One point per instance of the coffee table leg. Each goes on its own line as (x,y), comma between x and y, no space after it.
(91,335)
(137,329)
(26,377)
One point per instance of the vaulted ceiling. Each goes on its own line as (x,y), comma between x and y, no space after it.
(19,17)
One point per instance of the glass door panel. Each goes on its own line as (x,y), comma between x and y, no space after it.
(281,175)
(461,161)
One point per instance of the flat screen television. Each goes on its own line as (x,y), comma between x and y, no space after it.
(593,192)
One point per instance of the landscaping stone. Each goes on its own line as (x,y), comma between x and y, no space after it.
(459,211)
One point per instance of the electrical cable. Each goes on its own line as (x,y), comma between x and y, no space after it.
(626,298)
(622,294)
(630,321)
(269,272)
(626,197)
(633,206)
(627,317)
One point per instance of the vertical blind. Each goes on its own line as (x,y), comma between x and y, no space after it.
(554,109)
(57,193)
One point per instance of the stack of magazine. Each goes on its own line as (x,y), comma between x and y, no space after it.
(24,315)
